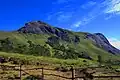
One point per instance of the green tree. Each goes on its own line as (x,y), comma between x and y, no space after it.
(99,60)
(21,48)
(59,54)
(31,44)
(6,45)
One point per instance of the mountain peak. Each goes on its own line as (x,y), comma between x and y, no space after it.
(101,41)
(36,24)
(36,27)
(39,27)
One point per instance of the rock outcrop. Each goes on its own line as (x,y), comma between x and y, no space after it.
(39,27)
(101,41)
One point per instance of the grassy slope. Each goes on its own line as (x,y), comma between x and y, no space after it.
(23,38)
(84,45)
(33,60)
(52,62)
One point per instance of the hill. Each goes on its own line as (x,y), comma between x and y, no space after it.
(40,39)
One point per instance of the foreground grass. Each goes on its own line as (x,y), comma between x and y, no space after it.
(35,60)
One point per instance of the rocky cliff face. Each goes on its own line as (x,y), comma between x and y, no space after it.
(39,27)
(102,42)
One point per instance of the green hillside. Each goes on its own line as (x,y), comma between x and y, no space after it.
(84,45)
(39,60)
(62,44)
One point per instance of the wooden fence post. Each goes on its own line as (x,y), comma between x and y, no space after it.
(73,73)
(20,72)
(42,73)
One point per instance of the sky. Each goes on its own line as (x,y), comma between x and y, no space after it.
(94,16)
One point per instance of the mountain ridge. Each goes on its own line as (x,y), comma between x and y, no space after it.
(40,39)
(39,27)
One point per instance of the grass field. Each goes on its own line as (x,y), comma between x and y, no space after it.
(48,63)
(84,45)
(30,61)
(33,60)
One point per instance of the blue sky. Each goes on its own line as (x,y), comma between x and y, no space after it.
(77,15)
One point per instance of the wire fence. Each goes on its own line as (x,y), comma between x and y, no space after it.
(42,74)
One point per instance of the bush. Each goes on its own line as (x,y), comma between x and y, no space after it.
(33,78)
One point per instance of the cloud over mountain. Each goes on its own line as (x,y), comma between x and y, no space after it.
(115,42)
(72,10)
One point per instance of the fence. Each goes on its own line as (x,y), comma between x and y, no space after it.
(73,76)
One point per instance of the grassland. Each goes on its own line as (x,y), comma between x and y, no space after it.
(49,63)
(33,60)
(54,49)
(84,45)
(46,62)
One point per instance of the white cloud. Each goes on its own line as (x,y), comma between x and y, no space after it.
(64,17)
(77,24)
(108,16)
(88,4)
(94,12)
(82,22)
(60,16)
(51,15)
(115,42)
(113,6)
(62,1)
(87,18)
(109,8)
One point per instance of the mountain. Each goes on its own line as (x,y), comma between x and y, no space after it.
(102,42)
(39,38)
(39,27)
